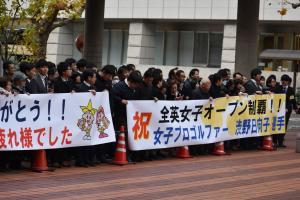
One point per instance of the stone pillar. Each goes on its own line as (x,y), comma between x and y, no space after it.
(228,49)
(60,44)
(247,36)
(93,31)
(141,44)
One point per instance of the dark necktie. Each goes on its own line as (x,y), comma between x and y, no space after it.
(46,83)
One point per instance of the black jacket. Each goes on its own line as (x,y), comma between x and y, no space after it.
(200,94)
(251,87)
(290,97)
(61,86)
(85,88)
(188,88)
(120,92)
(216,91)
(102,84)
(36,86)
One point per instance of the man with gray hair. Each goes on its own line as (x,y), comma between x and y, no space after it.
(19,83)
(203,91)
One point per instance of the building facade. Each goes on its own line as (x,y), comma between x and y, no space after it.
(184,33)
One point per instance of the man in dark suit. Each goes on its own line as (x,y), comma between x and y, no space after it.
(290,103)
(105,77)
(39,84)
(104,83)
(203,92)
(62,157)
(122,92)
(190,84)
(29,70)
(81,66)
(63,84)
(86,154)
(252,87)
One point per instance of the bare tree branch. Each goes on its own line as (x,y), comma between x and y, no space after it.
(63,22)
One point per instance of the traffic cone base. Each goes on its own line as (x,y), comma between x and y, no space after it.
(183,152)
(219,149)
(120,154)
(40,162)
(267,144)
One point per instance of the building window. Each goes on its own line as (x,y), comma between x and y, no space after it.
(188,48)
(215,50)
(201,46)
(208,49)
(115,44)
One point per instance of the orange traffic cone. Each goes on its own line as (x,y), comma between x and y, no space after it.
(219,149)
(40,161)
(120,154)
(183,152)
(267,143)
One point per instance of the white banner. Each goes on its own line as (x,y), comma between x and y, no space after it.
(48,121)
(165,124)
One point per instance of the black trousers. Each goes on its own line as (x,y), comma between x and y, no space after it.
(287,118)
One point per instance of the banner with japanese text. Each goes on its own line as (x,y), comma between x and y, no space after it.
(49,121)
(164,124)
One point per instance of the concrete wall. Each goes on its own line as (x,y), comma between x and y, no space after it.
(229,44)
(141,43)
(60,44)
(192,9)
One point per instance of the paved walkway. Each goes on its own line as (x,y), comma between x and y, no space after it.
(243,175)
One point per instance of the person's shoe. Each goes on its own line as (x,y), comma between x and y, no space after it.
(81,164)
(282,146)
(66,164)
(56,165)
(91,164)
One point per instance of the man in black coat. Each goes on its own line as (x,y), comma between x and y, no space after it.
(291,103)
(122,92)
(203,91)
(29,70)
(104,83)
(145,90)
(190,84)
(86,154)
(62,157)
(63,83)
(252,86)
(39,84)
(105,77)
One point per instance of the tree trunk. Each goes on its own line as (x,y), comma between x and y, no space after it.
(41,50)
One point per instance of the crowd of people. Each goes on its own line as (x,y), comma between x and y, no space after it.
(126,83)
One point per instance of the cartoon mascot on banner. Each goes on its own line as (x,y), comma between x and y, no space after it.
(86,122)
(102,122)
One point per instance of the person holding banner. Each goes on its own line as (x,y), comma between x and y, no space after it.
(104,83)
(86,154)
(291,103)
(252,87)
(63,84)
(122,92)
(202,93)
